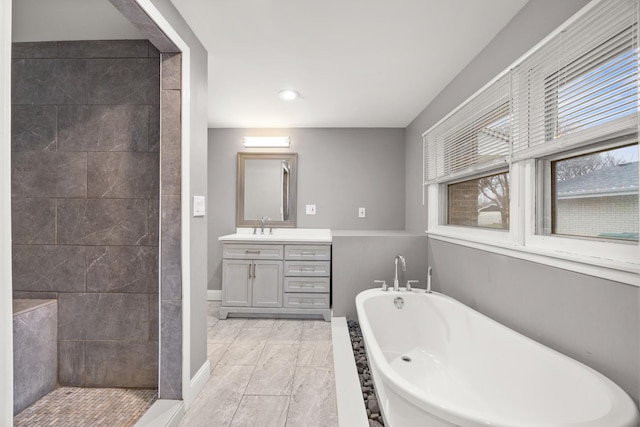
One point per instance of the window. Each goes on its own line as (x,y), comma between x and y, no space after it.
(480,202)
(596,195)
(542,163)
(475,138)
(593,90)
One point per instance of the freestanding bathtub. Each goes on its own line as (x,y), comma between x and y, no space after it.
(437,362)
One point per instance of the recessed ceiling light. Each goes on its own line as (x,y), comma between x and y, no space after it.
(288,94)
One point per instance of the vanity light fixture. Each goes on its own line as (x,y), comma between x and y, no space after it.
(288,94)
(266,141)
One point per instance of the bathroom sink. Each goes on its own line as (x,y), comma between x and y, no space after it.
(279,235)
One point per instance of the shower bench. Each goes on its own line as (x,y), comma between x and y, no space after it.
(35,350)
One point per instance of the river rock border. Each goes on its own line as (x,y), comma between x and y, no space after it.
(364,374)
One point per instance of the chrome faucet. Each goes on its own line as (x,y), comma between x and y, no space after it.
(396,283)
(429,279)
(264,220)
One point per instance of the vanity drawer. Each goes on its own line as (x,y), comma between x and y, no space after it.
(307,253)
(307,284)
(240,251)
(306,269)
(294,300)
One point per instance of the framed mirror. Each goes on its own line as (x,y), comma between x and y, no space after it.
(266,188)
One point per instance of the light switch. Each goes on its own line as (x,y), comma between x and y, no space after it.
(198,205)
(361,212)
(311,209)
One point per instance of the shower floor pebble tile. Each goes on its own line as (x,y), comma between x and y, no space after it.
(267,372)
(82,407)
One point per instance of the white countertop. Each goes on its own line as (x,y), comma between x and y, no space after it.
(284,235)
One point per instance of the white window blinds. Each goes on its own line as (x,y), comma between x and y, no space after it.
(578,87)
(475,137)
(581,85)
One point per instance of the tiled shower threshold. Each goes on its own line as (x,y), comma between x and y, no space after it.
(76,406)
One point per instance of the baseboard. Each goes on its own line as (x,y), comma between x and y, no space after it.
(163,413)
(214,295)
(197,384)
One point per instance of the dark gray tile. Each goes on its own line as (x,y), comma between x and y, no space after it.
(35,355)
(170,142)
(48,268)
(48,174)
(91,316)
(154,318)
(170,128)
(171,70)
(103,222)
(171,162)
(154,222)
(103,49)
(124,81)
(154,127)
(34,50)
(34,295)
(121,364)
(122,269)
(33,221)
(153,51)
(49,81)
(170,247)
(34,127)
(123,175)
(103,128)
(170,386)
(71,363)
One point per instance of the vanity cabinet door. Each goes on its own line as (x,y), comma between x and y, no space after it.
(267,284)
(236,283)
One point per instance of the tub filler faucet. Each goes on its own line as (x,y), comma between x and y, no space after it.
(429,279)
(396,283)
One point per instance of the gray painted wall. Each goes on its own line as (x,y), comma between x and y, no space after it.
(339,170)
(593,320)
(198,178)
(361,258)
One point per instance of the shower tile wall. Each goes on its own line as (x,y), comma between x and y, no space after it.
(170,386)
(85,202)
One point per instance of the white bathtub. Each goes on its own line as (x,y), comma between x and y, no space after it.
(468,370)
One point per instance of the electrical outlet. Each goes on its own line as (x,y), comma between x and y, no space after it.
(311,209)
(361,212)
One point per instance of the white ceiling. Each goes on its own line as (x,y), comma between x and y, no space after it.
(356,63)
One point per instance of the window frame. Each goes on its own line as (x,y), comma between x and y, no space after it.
(437,195)
(619,253)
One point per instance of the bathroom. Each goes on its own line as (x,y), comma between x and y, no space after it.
(578,314)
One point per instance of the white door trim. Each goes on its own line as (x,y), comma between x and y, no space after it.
(6,306)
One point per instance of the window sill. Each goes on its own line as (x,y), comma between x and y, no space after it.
(628,273)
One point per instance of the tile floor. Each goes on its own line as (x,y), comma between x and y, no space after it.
(267,372)
(81,407)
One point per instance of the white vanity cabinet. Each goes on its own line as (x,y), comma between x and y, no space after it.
(276,279)
(252,283)
(252,275)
